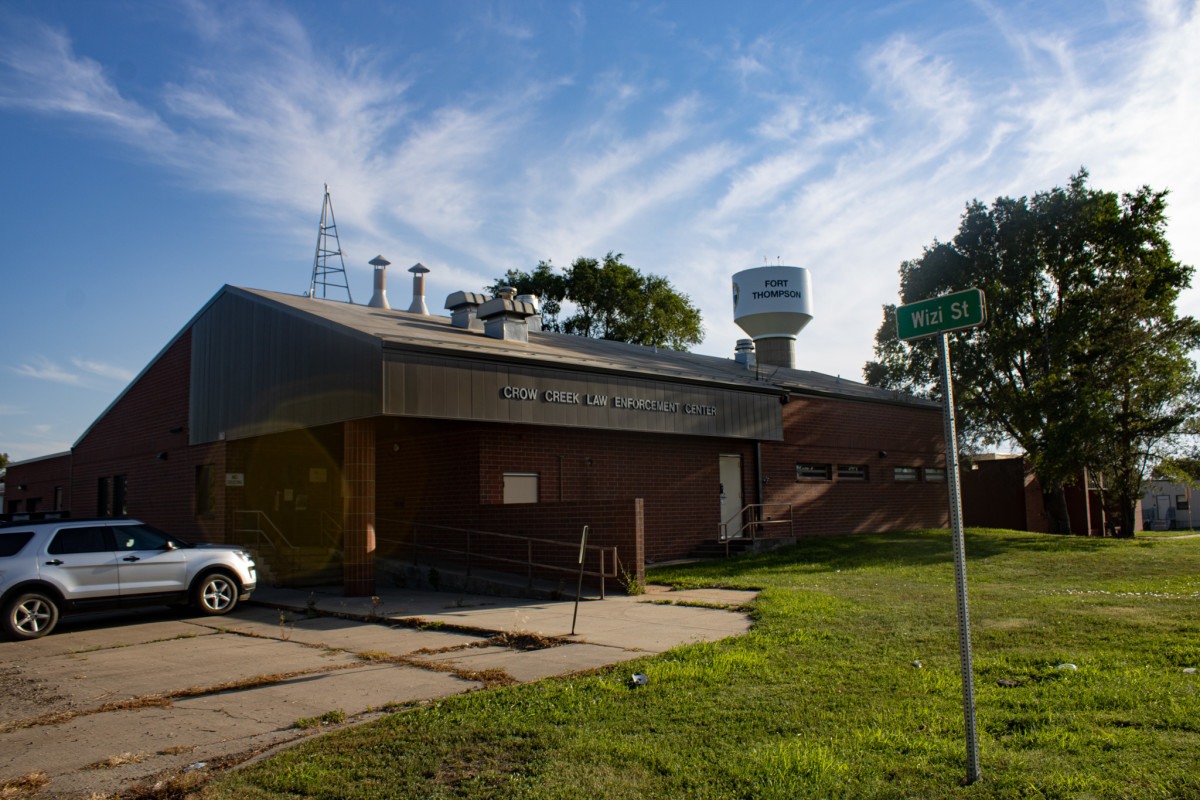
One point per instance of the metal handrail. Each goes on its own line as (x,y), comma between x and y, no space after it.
(607,555)
(276,544)
(754,523)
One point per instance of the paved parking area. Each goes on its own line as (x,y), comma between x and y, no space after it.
(110,701)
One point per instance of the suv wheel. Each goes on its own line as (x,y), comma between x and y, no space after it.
(30,616)
(215,593)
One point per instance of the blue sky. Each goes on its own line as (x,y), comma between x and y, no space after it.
(155,151)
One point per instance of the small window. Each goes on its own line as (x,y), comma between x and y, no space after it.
(852,472)
(80,540)
(935,474)
(906,473)
(12,542)
(813,472)
(520,487)
(1181,502)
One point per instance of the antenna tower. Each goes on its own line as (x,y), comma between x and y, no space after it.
(326,272)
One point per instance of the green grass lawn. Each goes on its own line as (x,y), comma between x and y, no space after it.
(822,698)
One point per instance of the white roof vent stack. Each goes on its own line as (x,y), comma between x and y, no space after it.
(379,298)
(418,304)
(773,304)
(534,322)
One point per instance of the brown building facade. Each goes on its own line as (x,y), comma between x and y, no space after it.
(329,435)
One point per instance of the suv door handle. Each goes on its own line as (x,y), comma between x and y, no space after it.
(131,558)
(54,562)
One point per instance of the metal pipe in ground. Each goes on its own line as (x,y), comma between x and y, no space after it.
(579,586)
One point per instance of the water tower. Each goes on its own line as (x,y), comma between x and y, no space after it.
(773,304)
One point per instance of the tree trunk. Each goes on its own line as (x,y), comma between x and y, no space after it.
(1055,503)
(1128,511)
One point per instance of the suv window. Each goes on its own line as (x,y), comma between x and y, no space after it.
(11,543)
(81,540)
(139,537)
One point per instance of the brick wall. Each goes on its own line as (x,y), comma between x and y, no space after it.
(452,474)
(38,481)
(878,436)
(143,437)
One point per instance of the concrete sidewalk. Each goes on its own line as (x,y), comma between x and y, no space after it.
(108,702)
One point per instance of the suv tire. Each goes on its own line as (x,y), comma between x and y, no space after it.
(29,616)
(215,593)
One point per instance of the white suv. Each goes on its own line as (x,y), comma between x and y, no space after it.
(53,567)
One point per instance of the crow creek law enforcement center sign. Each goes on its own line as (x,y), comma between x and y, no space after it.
(453,388)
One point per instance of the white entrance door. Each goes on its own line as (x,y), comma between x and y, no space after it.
(731,495)
(1162,504)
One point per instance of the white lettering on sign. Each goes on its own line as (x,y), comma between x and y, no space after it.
(570,398)
(959,310)
(640,404)
(561,397)
(518,393)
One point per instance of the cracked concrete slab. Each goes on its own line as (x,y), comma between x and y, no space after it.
(308,641)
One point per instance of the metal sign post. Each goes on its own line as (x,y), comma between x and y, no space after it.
(960,568)
(938,315)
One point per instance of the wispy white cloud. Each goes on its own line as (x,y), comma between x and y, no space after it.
(11,411)
(44,369)
(103,370)
(44,75)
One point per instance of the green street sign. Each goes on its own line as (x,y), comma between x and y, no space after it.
(950,312)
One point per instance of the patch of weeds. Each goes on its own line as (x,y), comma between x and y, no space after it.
(285,626)
(176,750)
(376,602)
(121,760)
(23,785)
(335,717)
(311,604)
(630,583)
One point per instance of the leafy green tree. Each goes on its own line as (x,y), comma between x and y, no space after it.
(1083,361)
(612,301)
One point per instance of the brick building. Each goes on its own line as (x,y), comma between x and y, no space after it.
(327,434)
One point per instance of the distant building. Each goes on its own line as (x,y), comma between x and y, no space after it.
(1167,505)
(1001,491)
(329,435)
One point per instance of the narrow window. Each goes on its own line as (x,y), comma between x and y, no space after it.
(813,472)
(935,474)
(104,497)
(520,487)
(206,490)
(120,495)
(58,498)
(906,473)
(852,472)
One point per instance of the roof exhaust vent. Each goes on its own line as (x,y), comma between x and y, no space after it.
(379,298)
(743,353)
(534,322)
(418,302)
(464,310)
(504,317)
(773,304)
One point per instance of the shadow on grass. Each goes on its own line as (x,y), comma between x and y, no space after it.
(901,548)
